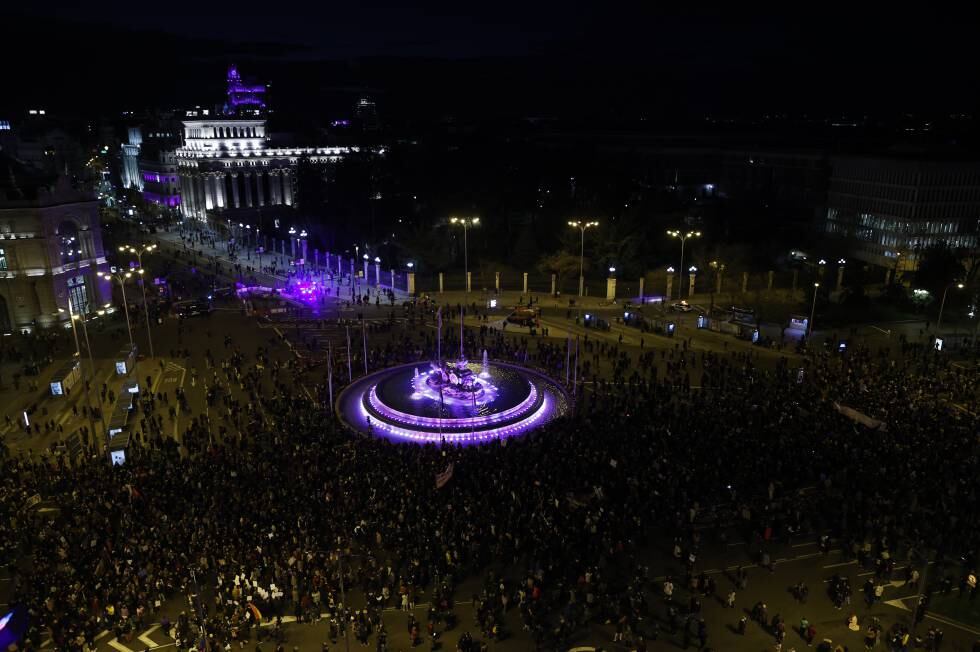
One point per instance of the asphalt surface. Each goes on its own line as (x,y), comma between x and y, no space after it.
(181,348)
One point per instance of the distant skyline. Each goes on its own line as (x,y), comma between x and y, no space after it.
(539,54)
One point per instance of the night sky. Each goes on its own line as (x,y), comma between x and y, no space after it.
(513,57)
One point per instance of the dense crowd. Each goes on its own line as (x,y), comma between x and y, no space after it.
(268,508)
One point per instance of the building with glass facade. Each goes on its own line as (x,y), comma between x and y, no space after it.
(893,208)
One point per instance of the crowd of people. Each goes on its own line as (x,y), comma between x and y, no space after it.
(266,507)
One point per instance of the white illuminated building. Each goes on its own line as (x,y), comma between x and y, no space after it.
(227,163)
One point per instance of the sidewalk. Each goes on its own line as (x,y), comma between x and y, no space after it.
(44,408)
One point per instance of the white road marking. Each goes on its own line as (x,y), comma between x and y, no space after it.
(119,646)
(144,637)
(843,563)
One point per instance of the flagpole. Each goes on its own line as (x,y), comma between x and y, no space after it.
(350,373)
(568,356)
(439,336)
(461,332)
(364,334)
(575,391)
(330,372)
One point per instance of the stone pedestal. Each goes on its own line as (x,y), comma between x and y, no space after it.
(525,282)
(745,282)
(469,281)
(642,282)
(610,288)
(496,281)
(440,282)
(411,284)
(690,285)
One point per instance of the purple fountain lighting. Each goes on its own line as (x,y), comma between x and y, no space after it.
(455,402)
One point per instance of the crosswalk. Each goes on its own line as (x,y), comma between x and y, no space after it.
(151,639)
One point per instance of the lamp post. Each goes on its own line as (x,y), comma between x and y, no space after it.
(465,222)
(719,269)
(682,236)
(146,310)
(939,322)
(121,278)
(582,226)
(91,363)
(813,308)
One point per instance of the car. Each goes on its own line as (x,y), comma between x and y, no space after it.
(681,306)
(522,317)
(187,309)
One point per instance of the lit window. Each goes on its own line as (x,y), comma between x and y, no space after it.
(3,260)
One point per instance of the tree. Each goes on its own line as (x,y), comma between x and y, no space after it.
(561,263)
(938,267)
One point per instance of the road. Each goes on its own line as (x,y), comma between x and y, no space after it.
(183,346)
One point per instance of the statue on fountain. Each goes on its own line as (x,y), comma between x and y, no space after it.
(455,379)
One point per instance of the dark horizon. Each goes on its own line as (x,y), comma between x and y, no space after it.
(596,64)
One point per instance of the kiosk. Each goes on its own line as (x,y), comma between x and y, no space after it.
(118,449)
(124,405)
(126,360)
(66,378)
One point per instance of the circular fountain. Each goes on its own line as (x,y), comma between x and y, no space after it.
(456,402)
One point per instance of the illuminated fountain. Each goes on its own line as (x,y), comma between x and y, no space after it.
(455,401)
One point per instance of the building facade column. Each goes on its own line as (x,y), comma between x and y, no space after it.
(275,187)
(247,179)
(210,201)
(287,187)
(259,182)
(234,189)
(187,190)
(200,197)
(219,180)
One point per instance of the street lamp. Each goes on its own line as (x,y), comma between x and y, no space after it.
(582,226)
(719,269)
(146,311)
(939,322)
(683,238)
(813,308)
(91,362)
(121,278)
(465,222)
